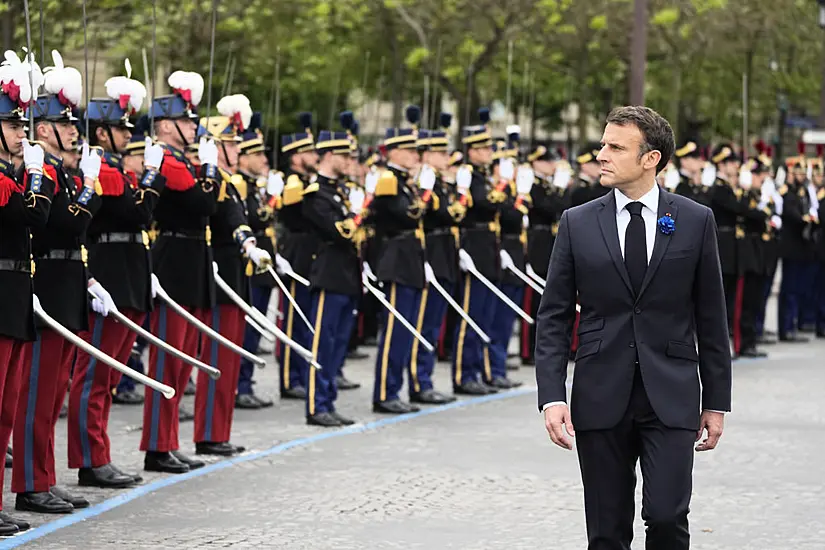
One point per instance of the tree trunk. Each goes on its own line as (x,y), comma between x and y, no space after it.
(821,121)
(9,26)
(582,100)
(638,53)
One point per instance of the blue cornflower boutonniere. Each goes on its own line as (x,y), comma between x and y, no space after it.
(666,224)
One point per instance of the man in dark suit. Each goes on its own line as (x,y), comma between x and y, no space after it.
(645,268)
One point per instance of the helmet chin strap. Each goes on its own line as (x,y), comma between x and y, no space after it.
(3,139)
(180,133)
(57,137)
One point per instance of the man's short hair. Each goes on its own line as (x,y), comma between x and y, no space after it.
(657,135)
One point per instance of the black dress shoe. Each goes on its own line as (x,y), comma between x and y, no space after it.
(8,529)
(766,341)
(264,401)
(325,419)
(512,366)
(503,384)
(806,328)
(193,463)
(344,384)
(19,523)
(185,415)
(793,338)
(155,461)
(76,501)
(190,388)
(343,419)
(752,353)
(105,476)
(128,398)
(472,388)
(246,401)
(294,393)
(431,397)
(137,477)
(528,362)
(217,449)
(42,503)
(396,406)
(355,355)
(820,333)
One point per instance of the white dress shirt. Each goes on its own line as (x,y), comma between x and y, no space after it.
(650,213)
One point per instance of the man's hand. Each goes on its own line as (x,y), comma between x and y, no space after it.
(714,423)
(556,419)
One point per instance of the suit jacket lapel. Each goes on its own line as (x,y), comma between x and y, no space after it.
(662,241)
(610,232)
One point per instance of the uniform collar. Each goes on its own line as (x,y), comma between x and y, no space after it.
(113,159)
(53,160)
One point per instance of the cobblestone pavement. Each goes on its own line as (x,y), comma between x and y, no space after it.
(470,477)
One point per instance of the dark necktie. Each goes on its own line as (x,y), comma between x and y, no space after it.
(635,247)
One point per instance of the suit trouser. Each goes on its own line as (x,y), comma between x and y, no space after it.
(607,459)
(160,415)
(135,361)
(259,299)
(334,317)
(215,399)
(292,366)
(12,357)
(43,383)
(790,295)
(90,397)
(394,342)
(431,314)
(501,330)
(470,356)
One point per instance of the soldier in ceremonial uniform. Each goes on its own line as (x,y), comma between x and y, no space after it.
(513,238)
(263,197)
(691,163)
(396,212)
(587,188)
(25,200)
(726,206)
(182,258)
(819,241)
(441,228)
(120,259)
(335,276)
(297,245)
(480,239)
(796,247)
(807,320)
(547,196)
(237,256)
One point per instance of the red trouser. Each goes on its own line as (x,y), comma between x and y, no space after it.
(215,399)
(12,354)
(44,380)
(90,398)
(160,415)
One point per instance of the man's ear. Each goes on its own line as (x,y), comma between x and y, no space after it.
(652,159)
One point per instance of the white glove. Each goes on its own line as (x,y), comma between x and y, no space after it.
(745,179)
(367,272)
(814,213)
(371,181)
(152,155)
(561,178)
(776,221)
(506,260)
(463,179)
(780,176)
(426,178)
(155,286)
(274,184)
(429,274)
(762,204)
(90,162)
(102,301)
(207,152)
(33,157)
(671,177)
(708,175)
(524,180)
(465,262)
(356,200)
(506,169)
(282,265)
(259,256)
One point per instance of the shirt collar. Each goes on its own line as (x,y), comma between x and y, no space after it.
(649,199)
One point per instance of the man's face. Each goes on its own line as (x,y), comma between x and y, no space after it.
(692,165)
(619,157)
(730,168)
(14,132)
(481,156)
(544,168)
(439,160)
(308,160)
(408,159)
(120,135)
(255,164)
(799,175)
(133,163)
(816,178)
(757,179)
(66,131)
(188,128)
(229,154)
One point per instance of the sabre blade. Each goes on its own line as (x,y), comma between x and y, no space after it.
(527,280)
(458,309)
(407,325)
(258,328)
(291,299)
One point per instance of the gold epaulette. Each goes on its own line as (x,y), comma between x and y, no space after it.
(222,194)
(346,228)
(311,188)
(293,190)
(387,185)
(240,184)
(435,201)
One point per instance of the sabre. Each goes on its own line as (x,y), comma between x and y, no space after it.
(81,344)
(32,100)
(378,294)
(527,280)
(207,330)
(291,299)
(213,373)
(258,328)
(458,309)
(493,288)
(297,277)
(535,276)
(264,323)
